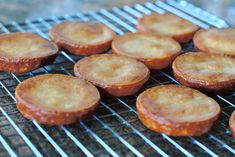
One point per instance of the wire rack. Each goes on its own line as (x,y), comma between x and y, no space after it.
(114,129)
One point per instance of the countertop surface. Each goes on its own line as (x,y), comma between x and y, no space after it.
(19,10)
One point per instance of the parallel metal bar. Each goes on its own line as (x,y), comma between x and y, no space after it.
(183,150)
(119,21)
(129,146)
(198,13)
(82,17)
(194,140)
(142,9)
(27,141)
(204,147)
(124,15)
(212,136)
(158,149)
(77,142)
(181,14)
(99,18)
(223,144)
(106,126)
(72,137)
(45,134)
(154,8)
(7,147)
(89,130)
(132,11)
(110,150)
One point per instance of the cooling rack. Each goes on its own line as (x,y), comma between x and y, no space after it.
(114,129)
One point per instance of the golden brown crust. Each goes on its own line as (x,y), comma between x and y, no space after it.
(167,24)
(117,75)
(206,72)
(232,124)
(155,51)
(82,38)
(215,41)
(187,113)
(56,99)
(23,52)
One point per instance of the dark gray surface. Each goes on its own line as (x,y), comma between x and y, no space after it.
(19,10)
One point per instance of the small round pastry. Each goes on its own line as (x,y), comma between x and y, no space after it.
(155,51)
(56,99)
(82,38)
(168,24)
(208,72)
(216,41)
(232,124)
(117,75)
(177,110)
(23,52)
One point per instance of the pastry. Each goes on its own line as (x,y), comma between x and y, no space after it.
(56,99)
(177,110)
(23,52)
(117,75)
(168,24)
(216,41)
(208,72)
(155,51)
(82,38)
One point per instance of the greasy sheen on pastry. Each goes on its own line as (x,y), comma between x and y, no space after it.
(56,99)
(216,41)
(22,52)
(205,71)
(118,75)
(82,38)
(177,110)
(155,51)
(168,24)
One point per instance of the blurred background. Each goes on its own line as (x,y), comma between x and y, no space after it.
(19,10)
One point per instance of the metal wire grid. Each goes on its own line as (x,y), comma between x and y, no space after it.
(114,129)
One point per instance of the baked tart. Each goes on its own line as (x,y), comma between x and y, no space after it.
(155,51)
(56,99)
(216,41)
(177,110)
(168,24)
(117,75)
(82,38)
(23,52)
(208,72)
(232,124)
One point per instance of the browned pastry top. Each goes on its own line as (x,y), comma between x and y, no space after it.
(205,67)
(178,104)
(219,41)
(167,24)
(57,92)
(109,69)
(25,45)
(145,45)
(82,33)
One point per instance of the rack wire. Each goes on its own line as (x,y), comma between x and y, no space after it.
(114,129)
